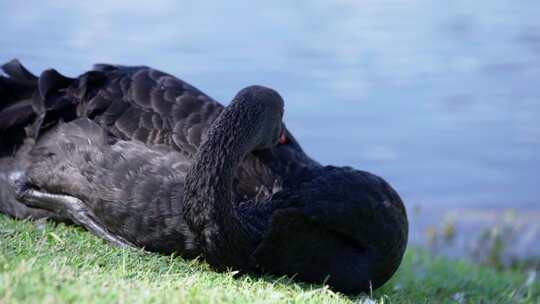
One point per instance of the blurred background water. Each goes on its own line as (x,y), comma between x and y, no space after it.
(440,98)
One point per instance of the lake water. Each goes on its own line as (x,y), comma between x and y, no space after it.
(440,98)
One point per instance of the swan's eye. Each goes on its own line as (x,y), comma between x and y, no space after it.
(283,137)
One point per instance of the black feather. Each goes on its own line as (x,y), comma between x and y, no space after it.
(50,81)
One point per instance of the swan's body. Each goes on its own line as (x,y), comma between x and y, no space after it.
(150,135)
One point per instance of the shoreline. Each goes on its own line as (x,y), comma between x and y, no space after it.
(493,236)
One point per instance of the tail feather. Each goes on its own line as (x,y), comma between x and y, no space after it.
(29,102)
(17,84)
(19,73)
(17,87)
(50,81)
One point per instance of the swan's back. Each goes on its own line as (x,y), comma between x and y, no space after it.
(146,105)
(132,103)
(138,103)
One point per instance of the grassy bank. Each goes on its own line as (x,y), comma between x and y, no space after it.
(47,263)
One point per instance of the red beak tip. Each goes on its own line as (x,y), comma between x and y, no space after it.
(283,138)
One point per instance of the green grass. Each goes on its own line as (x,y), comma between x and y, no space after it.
(48,263)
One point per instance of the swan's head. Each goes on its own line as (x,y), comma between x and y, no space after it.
(342,226)
(266,103)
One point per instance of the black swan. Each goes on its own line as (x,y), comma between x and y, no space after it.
(241,192)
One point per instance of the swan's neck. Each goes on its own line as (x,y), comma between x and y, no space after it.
(221,229)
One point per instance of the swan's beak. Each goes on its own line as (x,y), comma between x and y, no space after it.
(283,137)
